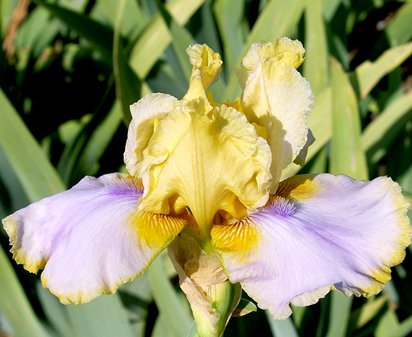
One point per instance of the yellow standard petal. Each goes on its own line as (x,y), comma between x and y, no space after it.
(206,160)
(277,98)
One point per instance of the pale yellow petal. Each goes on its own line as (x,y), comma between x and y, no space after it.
(278,98)
(206,66)
(145,115)
(205,160)
(286,51)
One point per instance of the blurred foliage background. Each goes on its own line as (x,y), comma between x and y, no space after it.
(69,70)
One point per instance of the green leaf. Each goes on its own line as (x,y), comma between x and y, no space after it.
(298,314)
(390,290)
(74,135)
(193,331)
(244,307)
(103,317)
(161,328)
(36,174)
(285,13)
(14,304)
(229,16)
(177,320)
(181,39)
(168,76)
(279,18)
(81,156)
(339,315)
(12,195)
(399,29)
(55,312)
(156,37)
(368,74)
(320,122)
(387,325)
(37,31)
(347,156)
(316,66)
(99,140)
(282,328)
(134,19)
(6,10)
(136,297)
(75,5)
(128,85)
(100,36)
(404,329)
(39,179)
(383,131)
(208,31)
(330,7)
(367,312)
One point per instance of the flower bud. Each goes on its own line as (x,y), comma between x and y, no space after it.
(211,296)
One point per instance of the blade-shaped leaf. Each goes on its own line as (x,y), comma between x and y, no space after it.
(177,320)
(161,328)
(330,7)
(279,18)
(399,29)
(100,36)
(387,325)
(404,329)
(103,317)
(36,174)
(229,16)
(55,312)
(156,37)
(320,122)
(128,85)
(181,39)
(134,19)
(282,328)
(316,66)
(347,156)
(37,31)
(339,315)
(14,304)
(208,31)
(367,312)
(368,74)
(382,132)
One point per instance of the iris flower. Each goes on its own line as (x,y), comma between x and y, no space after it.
(204,179)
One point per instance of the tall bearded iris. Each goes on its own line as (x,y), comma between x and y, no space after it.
(204,179)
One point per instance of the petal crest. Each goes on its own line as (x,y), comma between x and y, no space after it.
(318,233)
(89,239)
(193,159)
(278,98)
(206,66)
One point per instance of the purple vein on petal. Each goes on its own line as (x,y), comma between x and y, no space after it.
(126,186)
